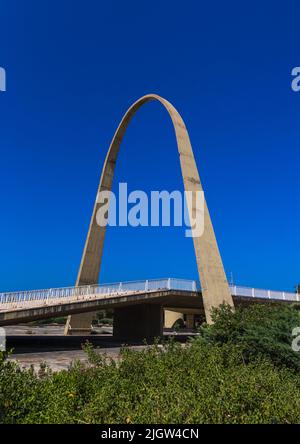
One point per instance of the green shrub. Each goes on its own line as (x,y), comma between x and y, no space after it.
(200,383)
(106,321)
(239,370)
(258,330)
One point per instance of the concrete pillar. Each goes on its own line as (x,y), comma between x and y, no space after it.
(171,317)
(81,324)
(190,321)
(138,322)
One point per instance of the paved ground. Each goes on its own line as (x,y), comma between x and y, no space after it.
(33,345)
(41,330)
(61,360)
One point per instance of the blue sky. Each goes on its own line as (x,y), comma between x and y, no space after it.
(74,67)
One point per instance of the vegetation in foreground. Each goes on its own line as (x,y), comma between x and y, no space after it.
(240,370)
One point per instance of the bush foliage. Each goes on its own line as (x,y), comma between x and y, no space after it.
(257,330)
(229,374)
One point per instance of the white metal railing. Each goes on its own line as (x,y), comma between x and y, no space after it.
(259,293)
(50,296)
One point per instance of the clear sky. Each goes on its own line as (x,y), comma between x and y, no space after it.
(73,68)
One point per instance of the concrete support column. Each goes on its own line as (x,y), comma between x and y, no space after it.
(190,321)
(138,322)
(80,324)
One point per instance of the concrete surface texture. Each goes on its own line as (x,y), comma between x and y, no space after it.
(215,289)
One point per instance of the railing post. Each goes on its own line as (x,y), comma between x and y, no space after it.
(194,287)
(269,294)
(120,286)
(146,285)
(253,293)
(283,295)
(49,295)
(169,284)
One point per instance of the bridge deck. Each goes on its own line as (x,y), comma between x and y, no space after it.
(25,306)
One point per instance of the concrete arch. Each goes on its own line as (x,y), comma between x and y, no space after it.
(215,289)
